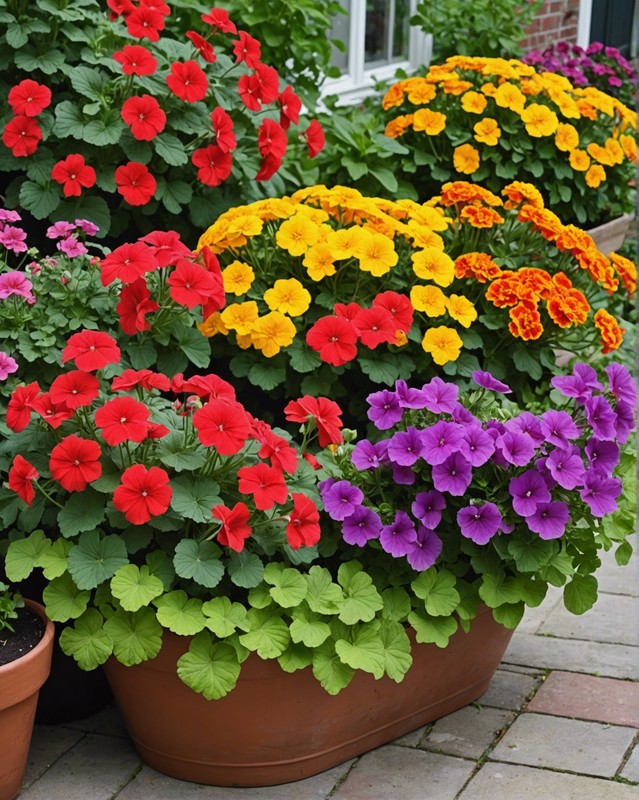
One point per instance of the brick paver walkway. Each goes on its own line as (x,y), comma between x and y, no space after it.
(560,721)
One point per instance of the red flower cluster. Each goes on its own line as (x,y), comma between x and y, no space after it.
(22,134)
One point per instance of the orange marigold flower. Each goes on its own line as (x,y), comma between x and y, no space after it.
(519,192)
(510,96)
(568,307)
(542,220)
(466,159)
(610,330)
(538,281)
(420,93)
(600,154)
(539,120)
(487,131)
(525,320)
(396,127)
(463,192)
(473,102)
(507,290)
(571,238)
(626,270)
(599,268)
(629,145)
(394,96)
(480,216)
(479,266)
(431,122)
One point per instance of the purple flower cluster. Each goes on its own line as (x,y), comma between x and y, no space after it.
(526,473)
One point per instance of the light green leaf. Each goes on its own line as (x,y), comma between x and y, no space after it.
(432,630)
(245,569)
(330,671)
(496,589)
(260,597)
(268,636)
(308,627)
(531,552)
(361,599)
(396,604)
(365,651)
(83,511)
(396,644)
(194,497)
(54,560)
(288,585)
(210,669)
(25,554)
(180,613)
(295,657)
(87,641)
(510,614)
(95,559)
(224,617)
(323,596)
(136,635)
(200,561)
(161,565)
(63,599)
(135,586)
(580,594)
(437,589)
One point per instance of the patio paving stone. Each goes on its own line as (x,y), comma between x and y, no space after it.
(608,621)
(508,690)
(630,769)
(467,732)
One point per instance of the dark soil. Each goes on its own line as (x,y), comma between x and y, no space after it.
(29,629)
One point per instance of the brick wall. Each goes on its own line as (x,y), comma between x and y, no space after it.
(556,20)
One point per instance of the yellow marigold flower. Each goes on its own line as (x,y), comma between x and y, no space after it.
(317,215)
(579,160)
(396,127)
(539,120)
(444,344)
(272,332)
(595,176)
(423,236)
(615,151)
(238,278)
(473,102)
(429,299)
(629,145)
(566,138)
(432,218)
(243,341)
(421,93)
(319,261)
(466,159)
(289,297)
(212,325)
(239,317)
(393,97)
(461,309)
(344,242)
(376,253)
(487,131)
(600,154)
(274,208)
(510,96)
(246,225)
(431,122)
(297,234)
(489,89)
(432,264)
(455,86)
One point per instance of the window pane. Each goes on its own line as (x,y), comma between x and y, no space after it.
(401,30)
(341,30)
(387,31)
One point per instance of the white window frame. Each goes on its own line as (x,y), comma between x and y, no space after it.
(358,82)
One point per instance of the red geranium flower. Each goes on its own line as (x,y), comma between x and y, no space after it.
(347,311)
(21,135)
(217,299)
(144,378)
(315,139)
(135,183)
(166,246)
(219,18)
(303,528)
(261,87)
(269,166)
(75,462)
(269,83)
(73,174)
(271,139)
(279,452)
(21,477)
(54,414)
(156,431)
(222,425)
(204,48)
(214,164)
(20,406)
(399,307)
(374,325)
(234,530)
(128,263)
(209,387)
(290,107)
(74,389)
(122,420)
(334,338)
(265,483)
(223,128)
(188,81)
(136,60)
(157,5)
(145,22)
(119,8)
(143,493)
(135,303)
(144,116)
(191,284)
(247,49)
(29,98)
(326,413)
(91,350)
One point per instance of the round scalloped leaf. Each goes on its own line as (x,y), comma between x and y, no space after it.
(365,651)
(180,613)
(210,669)
(396,644)
(323,596)
(64,600)
(224,617)
(332,674)
(199,561)
(136,635)
(245,569)
(25,554)
(87,641)
(308,627)
(135,586)
(268,637)
(54,560)
(96,558)
(288,587)
(437,590)
(432,630)
(295,657)
(362,600)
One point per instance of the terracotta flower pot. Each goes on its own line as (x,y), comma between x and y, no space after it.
(611,235)
(276,727)
(20,682)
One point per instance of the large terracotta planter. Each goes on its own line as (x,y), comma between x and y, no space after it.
(611,235)
(20,682)
(276,727)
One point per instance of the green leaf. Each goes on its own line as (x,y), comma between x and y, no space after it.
(525,362)
(210,669)
(288,585)
(302,357)
(54,560)
(64,600)
(437,590)
(356,169)
(380,367)
(308,627)
(397,604)
(161,566)
(199,561)
(268,636)
(135,586)
(94,209)
(245,569)
(180,613)
(580,594)
(88,81)
(194,345)
(175,454)
(40,165)
(396,644)
(68,120)
(136,635)
(510,614)
(365,651)
(496,589)
(95,559)
(259,596)
(623,554)
(386,178)
(267,374)
(295,657)
(171,150)
(24,554)
(83,511)
(174,195)
(432,630)
(15,35)
(361,599)
(531,552)
(87,641)
(39,200)
(224,617)
(330,671)
(104,131)
(48,62)
(194,497)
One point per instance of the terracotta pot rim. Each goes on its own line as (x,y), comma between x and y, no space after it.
(8,671)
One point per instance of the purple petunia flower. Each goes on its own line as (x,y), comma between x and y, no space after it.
(453,476)
(407,397)
(542,469)
(341,499)
(479,523)
(621,383)
(384,409)
(516,448)
(549,520)
(528,490)
(462,415)
(428,507)
(425,549)
(365,455)
(398,537)
(440,441)
(440,396)
(625,421)
(602,456)
(600,493)
(477,446)
(7,365)
(403,475)
(527,423)
(601,418)
(558,427)
(71,247)
(15,283)
(405,447)
(566,466)
(363,524)
(487,381)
